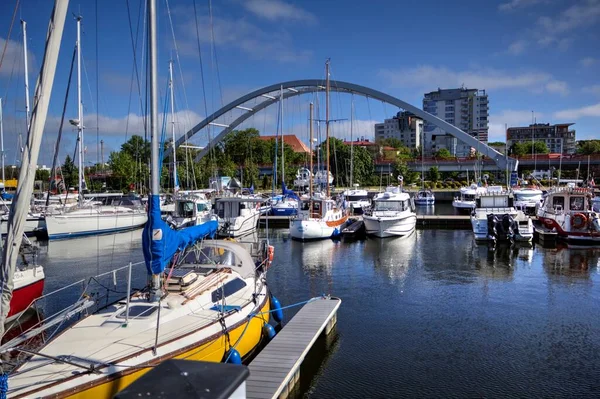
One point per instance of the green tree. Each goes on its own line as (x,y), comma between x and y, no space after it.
(520,149)
(588,147)
(123,168)
(69,172)
(401,169)
(391,142)
(339,162)
(137,147)
(443,153)
(433,174)
(43,175)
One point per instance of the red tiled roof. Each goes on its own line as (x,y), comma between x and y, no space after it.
(362,143)
(292,140)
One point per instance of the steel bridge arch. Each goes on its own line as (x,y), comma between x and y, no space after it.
(299,87)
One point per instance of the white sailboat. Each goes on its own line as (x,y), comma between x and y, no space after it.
(210,302)
(89,220)
(319,217)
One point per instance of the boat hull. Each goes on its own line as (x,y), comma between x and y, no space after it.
(481,233)
(573,237)
(29,285)
(239,226)
(81,225)
(390,226)
(280,211)
(463,206)
(424,201)
(315,229)
(34,225)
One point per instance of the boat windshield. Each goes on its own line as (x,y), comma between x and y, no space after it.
(211,256)
(201,207)
(391,205)
(185,209)
(528,196)
(468,197)
(357,197)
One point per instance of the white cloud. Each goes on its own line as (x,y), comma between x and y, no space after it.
(517,47)
(515,4)
(511,118)
(237,33)
(13,58)
(429,77)
(577,113)
(594,89)
(588,61)
(553,30)
(276,10)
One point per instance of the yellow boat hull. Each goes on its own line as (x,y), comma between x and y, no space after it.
(213,351)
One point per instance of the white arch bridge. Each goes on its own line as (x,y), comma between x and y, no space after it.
(270,94)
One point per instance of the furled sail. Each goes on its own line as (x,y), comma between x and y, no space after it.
(288,193)
(160,242)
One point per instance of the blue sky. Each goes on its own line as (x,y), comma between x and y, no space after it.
(539,55)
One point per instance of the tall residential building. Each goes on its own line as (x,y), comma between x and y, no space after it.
(466,109)
(558,138)
(405,126)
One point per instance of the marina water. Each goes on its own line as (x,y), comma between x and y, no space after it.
(432,314)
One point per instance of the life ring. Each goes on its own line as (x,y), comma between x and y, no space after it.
(578,221)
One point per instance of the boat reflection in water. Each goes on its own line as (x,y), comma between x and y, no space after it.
(317,256)
(499,261)
(393,256)
(569,261)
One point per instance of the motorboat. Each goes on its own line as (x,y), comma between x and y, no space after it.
(358,200)
(322,178)
(466,201)
(35,224)
(318,218)
(569,212)
(495,218)
(528,199)
(190,210)
(28,281)
(237,215)
(392,214)
(303,177)
(425,197)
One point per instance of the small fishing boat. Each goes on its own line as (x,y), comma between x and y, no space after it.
(495,218)
(425,197)
(528,199)
(392,214)
(466,201)
(357,199)
(318,218)
(569,212)
(237,215)
(323,178)
(303,178)
(190,210)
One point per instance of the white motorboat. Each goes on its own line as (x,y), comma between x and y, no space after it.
(322,178)
(358,200)
(392,214)
(528,199)
(190,210)
(303,177)
(425,197)
(466,201)
(495,218)
(237,216)
(568,211)
(35,224)
(318,218)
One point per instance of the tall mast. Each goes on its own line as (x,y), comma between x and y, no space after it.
(282,139)
(422,156)
(2,142)
(175,182)
(24,25)
(310,187)
(351,141)
(152,53)
(20,204)
(327,122)
(79,111)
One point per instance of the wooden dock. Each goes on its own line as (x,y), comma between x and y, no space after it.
(276,369)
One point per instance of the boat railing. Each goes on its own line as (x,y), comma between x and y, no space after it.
(84,295)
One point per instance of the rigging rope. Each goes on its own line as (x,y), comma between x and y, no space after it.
(12,21)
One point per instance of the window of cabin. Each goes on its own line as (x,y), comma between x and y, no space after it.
(558,202)
(576,203)
(228,289)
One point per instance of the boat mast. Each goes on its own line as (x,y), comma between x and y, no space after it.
(153,72)
(2,143)
(79,112)
(282,138)
(422,155)
(175,182)
(310,187)
(20,203)
(351,141)
(24,25)
(327,122)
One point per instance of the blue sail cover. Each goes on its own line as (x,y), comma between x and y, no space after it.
(289,193)
(160,242)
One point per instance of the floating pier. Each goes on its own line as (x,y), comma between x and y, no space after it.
(276,369)
(444,221)
(355,230)
(544,235)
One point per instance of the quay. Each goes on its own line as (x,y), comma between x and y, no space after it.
(276,369)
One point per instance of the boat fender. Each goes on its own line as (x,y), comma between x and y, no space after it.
(277,312)
(271,253)
(268,331)
(232,356)
(578,221)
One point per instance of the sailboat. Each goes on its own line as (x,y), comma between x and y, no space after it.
(319,216)
(206,300)
(424,197)
(88,218)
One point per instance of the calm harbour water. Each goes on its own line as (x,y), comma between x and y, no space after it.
(430,315)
